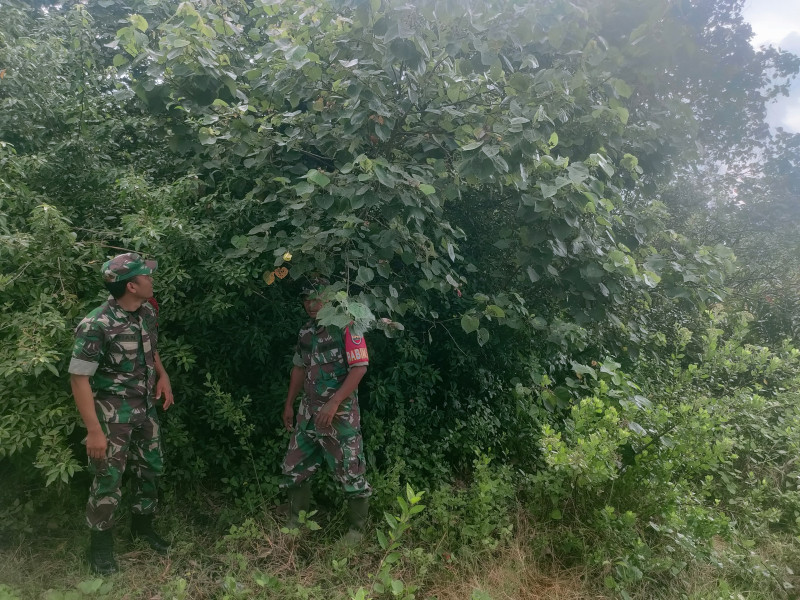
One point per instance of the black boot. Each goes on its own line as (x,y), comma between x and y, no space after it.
(142,527)
(299,500)
(357,515)
(101,552)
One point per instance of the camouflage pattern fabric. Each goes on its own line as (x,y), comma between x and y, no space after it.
(322,355)
(116,348)
(125,266)
(137,443)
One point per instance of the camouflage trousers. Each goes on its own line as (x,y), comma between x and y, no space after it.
(136,446)
(339,445)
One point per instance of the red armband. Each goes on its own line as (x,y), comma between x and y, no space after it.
(355,348)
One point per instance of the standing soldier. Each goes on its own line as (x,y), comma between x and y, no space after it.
(328,365)
(116,374)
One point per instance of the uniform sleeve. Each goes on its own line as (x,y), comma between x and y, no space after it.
(297,359)
(355,347)
(151,316)
(88,348)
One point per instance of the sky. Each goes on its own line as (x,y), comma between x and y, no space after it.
(777,23)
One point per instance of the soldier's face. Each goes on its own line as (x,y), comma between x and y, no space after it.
(312,306)
(142,286)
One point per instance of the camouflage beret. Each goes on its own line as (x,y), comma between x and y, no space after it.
(125,266)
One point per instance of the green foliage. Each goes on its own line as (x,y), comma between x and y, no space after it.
(385,584)
(474,516)
(89,588)
(8,593)
(499,189)
(657,477)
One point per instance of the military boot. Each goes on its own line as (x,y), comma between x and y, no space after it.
(142,527)
(299,500)
(357,513)
(101,552)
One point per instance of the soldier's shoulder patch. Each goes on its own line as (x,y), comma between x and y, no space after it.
(355,349)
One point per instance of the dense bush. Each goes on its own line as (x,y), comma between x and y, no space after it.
(499,191)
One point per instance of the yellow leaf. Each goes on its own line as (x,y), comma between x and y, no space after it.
(269,277)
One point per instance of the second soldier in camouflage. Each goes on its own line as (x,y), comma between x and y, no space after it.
(328,366)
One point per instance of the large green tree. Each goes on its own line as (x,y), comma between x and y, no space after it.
(480,175)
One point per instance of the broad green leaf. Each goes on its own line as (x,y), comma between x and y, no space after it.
(621,88)
(319,178)
(636,428)
(453,91)
(90,586)
(548,191)
(472,145)
(324,201)
(139,22)
(304,188)
(384,176)
(494,311)
(427,189)
(360,312)
(582,369)
(206,137)
(469,323)
(365,274)
(382,541)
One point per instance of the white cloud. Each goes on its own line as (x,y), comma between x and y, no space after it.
(777,23)
(772,20)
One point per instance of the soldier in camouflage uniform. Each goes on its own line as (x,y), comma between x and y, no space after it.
(116,374)
(328,366)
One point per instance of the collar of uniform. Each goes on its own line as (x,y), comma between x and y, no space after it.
(114,305)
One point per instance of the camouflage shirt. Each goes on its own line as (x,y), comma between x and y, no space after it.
(116,348)
(327,357)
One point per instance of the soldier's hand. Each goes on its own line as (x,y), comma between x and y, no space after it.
(163,386)
(325,415)
(288,417)
(96,443)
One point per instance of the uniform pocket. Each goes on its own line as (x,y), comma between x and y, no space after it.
(124,352)
(98,467)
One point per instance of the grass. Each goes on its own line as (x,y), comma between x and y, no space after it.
(255,560)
